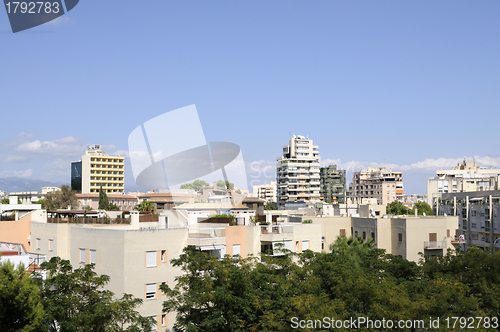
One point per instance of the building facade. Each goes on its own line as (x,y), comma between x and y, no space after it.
(297,172)
(96,169)
(266,192)
(465,177)
(332,184)
(376,182)
(478,215)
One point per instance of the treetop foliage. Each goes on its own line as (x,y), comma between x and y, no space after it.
(61,199)
(195,185)
(354,279)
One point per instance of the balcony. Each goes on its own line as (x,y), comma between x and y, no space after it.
(432,245)
(202,237)
(276,233)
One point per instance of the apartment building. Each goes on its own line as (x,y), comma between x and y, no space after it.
(383,184)
(124,202)
(297,172)
(478,215)
(465,177)
(96,169)
(332,184)
(136,255)
(266,192)
(401,236)
(32,197)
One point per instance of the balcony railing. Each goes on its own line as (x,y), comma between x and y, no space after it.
(70,220)
(429,245)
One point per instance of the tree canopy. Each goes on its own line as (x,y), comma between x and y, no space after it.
(353,280)
(74,300)
(104,203)
(225,184)
(61,199)
(422,207)
(195,185)
(146,206)
(20,302)
(397,208)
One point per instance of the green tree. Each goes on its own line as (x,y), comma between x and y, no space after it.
(270,206)
(76,301)
(145,206)
(61,199)
(20,302)
(103,200)
(5,201)
(397,208)
(225,184)
(422,207)
(195,185)
(42,203)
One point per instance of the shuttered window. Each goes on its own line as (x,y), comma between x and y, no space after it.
(82,255)
(305,245)
(150,258)
(150,291)
(92,256)
(236,249)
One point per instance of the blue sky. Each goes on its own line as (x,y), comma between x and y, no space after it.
(410,85)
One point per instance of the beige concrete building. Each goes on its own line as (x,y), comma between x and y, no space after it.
(32,197)
(376,182)
(478,215)
(266,192)
(124,202)
(96,169)
(465,177)
(297,172)
(405,236)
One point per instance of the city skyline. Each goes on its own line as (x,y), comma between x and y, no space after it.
(401,85)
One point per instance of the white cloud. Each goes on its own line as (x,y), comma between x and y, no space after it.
(17,174)
(12,158)
(60,147)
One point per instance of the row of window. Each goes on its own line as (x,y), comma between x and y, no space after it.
(92,184)
(50,244)
(160,320)
(155,258)
(104,172)
(108,160)
(104,166)
(108,190)
(105,178)
(87,256)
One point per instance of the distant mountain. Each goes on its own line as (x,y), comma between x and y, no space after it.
(19,184)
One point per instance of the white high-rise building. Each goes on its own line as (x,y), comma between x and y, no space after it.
(297,172)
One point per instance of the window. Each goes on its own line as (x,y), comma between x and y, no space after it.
(82,255)
(296,246)
(305,245)
(150,258)
(163,320)
(150,291)
(92,256)
(342,232)
(432,237)
(163,256)
(373,235)
(400,237)
(364,235)
(236,249)
(356,233)
(37,244)
(51,245)
(447,233)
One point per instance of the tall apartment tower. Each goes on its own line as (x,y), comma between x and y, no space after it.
(297,172)
(96,169)
(377,182)
(332,183)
